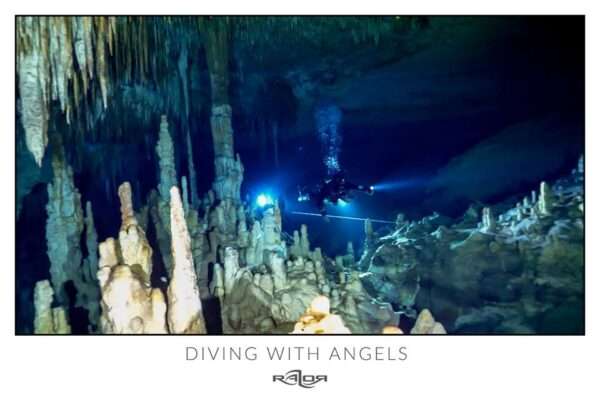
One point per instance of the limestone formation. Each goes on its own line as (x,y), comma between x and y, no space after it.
(129,304)
(426,325)
(88,292)
(229,171)
(91,239)
(34,90)
(271,297)
(546,200)
(46,68)
(184,305)
(166,160)
(160,216)
(63,227)
(159,204)
(191,171)
(135,249)
(517,278)
(48,320)
(318,320)
(184,193)
(488,221)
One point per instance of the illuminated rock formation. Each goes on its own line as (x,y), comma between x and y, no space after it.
(135,249)
(426,325)
(546,200)
(318,320)
(184,305)
(33,87)
(271,297)
(129,304)
(48,320)
(46,68)
(487,220)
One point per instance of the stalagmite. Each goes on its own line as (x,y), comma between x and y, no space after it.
(63,227)
(271,226)
(318,320)
(427,325)
(88,292)
(91,240)
(127,214)
(129,304)
(135,249)
(182,64)
(279,271)
(191,171)
(48,320)
(295,249)
(255,251)
(304,242)
(184,305)
(159,205)
(368,232)
(350,250)
(546,200)
(228,169)
(166,160)
(184,192)
(488,221)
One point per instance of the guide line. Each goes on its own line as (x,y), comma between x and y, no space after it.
(344,217)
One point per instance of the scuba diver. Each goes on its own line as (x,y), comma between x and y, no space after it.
(331,190)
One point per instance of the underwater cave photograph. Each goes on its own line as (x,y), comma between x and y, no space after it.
(299,175)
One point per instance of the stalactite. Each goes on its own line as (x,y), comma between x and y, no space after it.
(46,68)
(101,61)
(33,86)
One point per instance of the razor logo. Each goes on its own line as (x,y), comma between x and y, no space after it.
(295,377)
